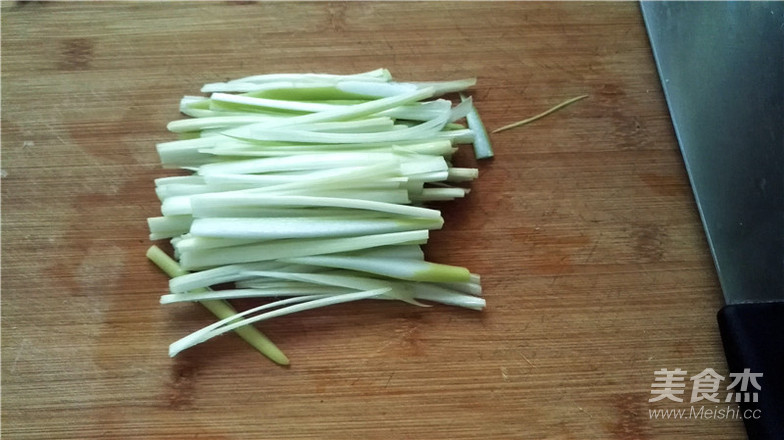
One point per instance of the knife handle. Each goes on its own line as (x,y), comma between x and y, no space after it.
(753,339)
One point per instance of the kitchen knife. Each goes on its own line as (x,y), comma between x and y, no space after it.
(721,65)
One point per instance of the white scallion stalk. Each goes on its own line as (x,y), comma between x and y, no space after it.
(276,292)
(304,227)
(444,87)
(309,133)
(375,89)
(380,75)
(344,113)
(482,147)
(465,136)
(184,180)
(378,171)
(440,194)
(240,272)
(429,292)
(168,227)
(406,269)
(421,111)
(462,174)
(189,242)
(198,124)
(272,103)
(203,202)
(461,110)
(223,274)
(280,249)
(308,162)
(248,149)
(403,252)
(470,288)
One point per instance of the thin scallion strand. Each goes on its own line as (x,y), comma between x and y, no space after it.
(308,302)
(482,147)
(221,309)
(348,112)
(540,115)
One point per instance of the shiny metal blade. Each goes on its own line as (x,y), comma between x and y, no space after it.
(722,69)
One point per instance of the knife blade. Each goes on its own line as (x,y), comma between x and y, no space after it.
(721,65)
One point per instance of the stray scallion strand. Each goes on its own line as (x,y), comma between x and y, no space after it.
(540,115)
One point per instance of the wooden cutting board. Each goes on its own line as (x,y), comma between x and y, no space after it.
(583,227)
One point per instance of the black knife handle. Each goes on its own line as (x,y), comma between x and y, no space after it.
(753,338)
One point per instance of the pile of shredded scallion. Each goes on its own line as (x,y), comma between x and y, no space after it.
(311,190)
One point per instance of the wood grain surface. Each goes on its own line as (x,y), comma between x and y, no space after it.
(594,263)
